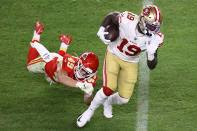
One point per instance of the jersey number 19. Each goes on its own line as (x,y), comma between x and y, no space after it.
(128,49)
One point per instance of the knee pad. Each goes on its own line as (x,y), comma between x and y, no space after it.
(107,91)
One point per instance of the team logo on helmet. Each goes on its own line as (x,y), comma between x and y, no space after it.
(146,11)
(150,20)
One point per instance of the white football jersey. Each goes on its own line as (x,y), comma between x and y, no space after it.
(130,42)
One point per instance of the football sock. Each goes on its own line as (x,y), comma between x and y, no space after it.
(116,99)
(63,46)
(36,36)
(99,99)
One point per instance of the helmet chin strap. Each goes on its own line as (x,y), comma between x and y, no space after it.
(145,31)
(148,34)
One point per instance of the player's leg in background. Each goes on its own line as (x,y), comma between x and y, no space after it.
(110,74)
(35,64)
(65,42)
(126,81)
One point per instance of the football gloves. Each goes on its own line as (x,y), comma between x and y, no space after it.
(152,46)
(86,87)
(101,34)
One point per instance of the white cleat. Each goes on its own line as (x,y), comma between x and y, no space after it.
(84,118)
(107,110)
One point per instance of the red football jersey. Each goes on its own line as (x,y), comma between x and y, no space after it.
(68,64)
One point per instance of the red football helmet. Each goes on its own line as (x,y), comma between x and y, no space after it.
(88,64)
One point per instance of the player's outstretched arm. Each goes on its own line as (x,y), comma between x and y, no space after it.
(64,79)
(65,41)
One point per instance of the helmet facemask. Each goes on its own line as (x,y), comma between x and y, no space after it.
(81,72)
(148,27)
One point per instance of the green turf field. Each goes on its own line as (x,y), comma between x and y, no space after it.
(29,103)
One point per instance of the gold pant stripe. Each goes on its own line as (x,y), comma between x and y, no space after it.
(104,72)
(35,61)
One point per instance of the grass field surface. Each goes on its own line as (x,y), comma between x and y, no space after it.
(29,103)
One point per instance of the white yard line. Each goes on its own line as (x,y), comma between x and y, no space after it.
(147,2)
(143,93)
(143,89)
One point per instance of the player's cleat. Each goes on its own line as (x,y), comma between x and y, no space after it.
(65,39)
(39,28)
(107,110)
(84,118)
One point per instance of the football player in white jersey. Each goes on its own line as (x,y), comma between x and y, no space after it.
(136,34)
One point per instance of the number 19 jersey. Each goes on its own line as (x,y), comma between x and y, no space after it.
(130,42)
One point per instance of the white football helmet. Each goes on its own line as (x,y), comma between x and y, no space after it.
(150,20)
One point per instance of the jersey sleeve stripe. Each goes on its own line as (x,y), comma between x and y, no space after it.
(35,61)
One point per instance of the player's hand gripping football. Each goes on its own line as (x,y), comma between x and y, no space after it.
(101,34)
(86,87)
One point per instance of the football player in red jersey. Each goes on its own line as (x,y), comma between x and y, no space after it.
(61,67)
(136,34)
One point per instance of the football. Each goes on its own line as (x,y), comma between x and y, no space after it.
(113,32)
